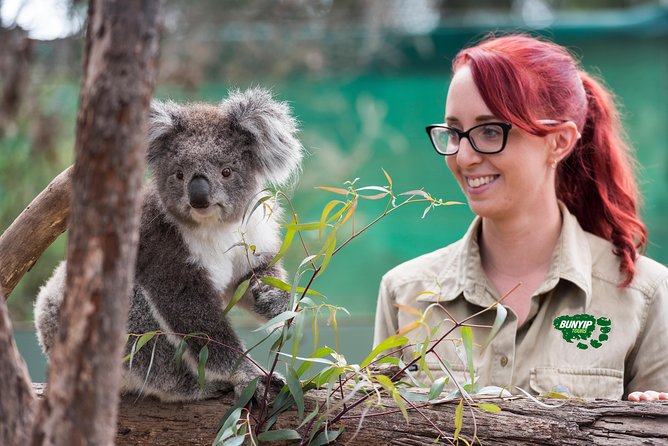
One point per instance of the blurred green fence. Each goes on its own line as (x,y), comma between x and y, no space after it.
(354,125)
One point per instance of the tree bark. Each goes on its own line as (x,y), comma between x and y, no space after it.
(84,372)
(34,230)
(15,61)
(146,421)
(17,399)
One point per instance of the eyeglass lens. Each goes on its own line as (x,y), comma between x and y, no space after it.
(484,138)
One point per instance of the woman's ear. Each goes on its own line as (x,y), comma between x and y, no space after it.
(564,138)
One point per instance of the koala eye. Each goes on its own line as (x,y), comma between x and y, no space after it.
(179,174)
(227,172)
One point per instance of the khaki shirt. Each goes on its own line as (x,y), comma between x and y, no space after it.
(617,345)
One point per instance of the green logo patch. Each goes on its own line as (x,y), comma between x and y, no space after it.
(581,327)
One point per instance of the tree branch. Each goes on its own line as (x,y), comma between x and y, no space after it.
(34,230)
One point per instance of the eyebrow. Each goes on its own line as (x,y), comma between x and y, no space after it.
(482,118)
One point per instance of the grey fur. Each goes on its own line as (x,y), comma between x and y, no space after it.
(189,262)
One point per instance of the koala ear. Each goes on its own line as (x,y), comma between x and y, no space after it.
(273,128)
(162,121)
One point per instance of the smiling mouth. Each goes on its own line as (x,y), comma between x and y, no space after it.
(480,181)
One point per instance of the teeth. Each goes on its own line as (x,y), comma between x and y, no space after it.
(477,182)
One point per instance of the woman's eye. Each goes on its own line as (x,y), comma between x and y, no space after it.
(179,174)
(227,172)
(491,132)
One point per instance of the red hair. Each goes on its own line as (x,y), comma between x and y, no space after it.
(523,80)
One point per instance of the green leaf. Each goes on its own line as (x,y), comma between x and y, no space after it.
(277,283)
(555,395)
(329,246)
(391,342)
(223,435)
(436,388)
(419,193)
(308,362)
(298,327)
(311,226)
(329,207)
(201,364)
(227,429)
(296,390)
(501,314)
(258,203)
(467,340)
(244,398)
(489,407)
(326,437)
(180,350)
(310,416)
(236,441)
(277,319)
(385,382)
(150,367)
(139,343)
(279,435)
(387,175)
(238,294)
(400,402)
(336,190)
(459,419)
(287,241)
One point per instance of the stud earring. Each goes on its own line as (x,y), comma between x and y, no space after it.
(554,164)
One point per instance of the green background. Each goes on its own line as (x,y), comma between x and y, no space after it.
(355,124)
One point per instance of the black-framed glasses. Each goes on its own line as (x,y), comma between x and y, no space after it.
(487,138)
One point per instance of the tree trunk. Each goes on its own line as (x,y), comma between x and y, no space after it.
(17,399)
(15,61)
(574,422)
(84,372)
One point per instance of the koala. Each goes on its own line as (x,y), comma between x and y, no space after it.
(209,162)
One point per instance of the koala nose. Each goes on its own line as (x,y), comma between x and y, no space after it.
(198,192)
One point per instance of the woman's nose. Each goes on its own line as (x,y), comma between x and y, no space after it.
(466,155)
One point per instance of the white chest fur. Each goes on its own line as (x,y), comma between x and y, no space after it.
(224,249)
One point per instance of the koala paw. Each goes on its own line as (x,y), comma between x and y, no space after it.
(276,383)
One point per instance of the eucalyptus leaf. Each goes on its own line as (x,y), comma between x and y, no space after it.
(296,390)
(467,340)
(238,294)
(459,419)
(501,314)
(279,435)
(201,366)
(276,320)
(436,388)
(178,355)
(326,437)
(391,342)
(489,407)
(244,398)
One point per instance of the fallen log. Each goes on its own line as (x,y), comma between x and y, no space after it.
(145,421)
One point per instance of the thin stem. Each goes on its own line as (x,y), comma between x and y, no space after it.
(209,339)
(440,432)
(431,349)
(299,233)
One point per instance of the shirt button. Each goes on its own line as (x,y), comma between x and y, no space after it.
(504,361)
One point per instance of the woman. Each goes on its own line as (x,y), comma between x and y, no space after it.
(536,146)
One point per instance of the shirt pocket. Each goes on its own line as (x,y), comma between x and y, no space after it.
(580,382)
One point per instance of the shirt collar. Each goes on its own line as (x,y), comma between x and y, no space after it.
(463,273)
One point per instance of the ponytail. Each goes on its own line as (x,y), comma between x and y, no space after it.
(596,181)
